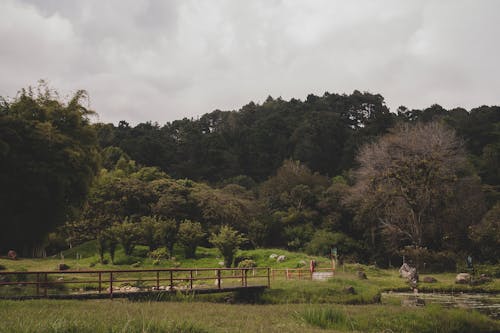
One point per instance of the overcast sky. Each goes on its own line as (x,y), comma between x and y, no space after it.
(165,60)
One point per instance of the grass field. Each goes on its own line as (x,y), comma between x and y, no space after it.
(342,304)
(125,316)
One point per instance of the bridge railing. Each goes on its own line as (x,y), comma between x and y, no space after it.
(74,282)
(295,273)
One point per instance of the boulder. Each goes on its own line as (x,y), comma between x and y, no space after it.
(429,279)
(273,256)
(62,267)
(349,290)
(409,273)
(463,278)
(12,254)
(362,275)
(281,258)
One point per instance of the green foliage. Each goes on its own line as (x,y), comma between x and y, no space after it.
(486,235)
(323,241)
(227,241)
(247,263)
(127,233)
(48,160)
(190,235)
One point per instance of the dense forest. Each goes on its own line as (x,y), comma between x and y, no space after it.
(332,170)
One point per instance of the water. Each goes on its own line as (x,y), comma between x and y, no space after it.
(488,304)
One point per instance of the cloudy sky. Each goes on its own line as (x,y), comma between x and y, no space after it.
(158,60)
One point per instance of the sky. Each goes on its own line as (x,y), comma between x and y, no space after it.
(153,60)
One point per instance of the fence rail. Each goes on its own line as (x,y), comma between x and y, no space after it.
(295,273)
(39,284)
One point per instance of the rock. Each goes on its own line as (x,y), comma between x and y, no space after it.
(281,258)
(301,263)
(12,254)
(137,264)
(349,290)
(221,263)
(409,273)
(60,279)
(362,275)
(62,267)
(463,278)
(429,279)
(133,289)
(273,256)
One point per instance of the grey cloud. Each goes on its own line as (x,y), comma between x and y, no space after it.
(164,60)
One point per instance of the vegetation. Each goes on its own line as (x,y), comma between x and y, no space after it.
(227,241)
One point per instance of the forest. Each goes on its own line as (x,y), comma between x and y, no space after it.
(335,170)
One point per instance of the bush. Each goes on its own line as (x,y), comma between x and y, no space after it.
(159,254)
(323,240)
(247,264)
(427,261)
(227,241)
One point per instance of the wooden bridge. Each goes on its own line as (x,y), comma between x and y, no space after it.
(90,284)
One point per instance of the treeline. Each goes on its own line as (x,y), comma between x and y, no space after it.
(323,132)
(335,170)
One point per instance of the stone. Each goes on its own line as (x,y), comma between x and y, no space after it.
(12,255)
(221,263)
(273,256)
(409,273)
(429,279)
(62,267)
(362,275)
(463,278)
(349,290)
(281,258)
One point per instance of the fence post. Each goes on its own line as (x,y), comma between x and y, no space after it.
(37,284)
(171,280)
(111,285)
(100,282)
(45,285)
(191,279)
(218,278)
(246,277)
(157,280)
(269,277)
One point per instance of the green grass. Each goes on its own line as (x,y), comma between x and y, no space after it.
(124,316)
(430,319)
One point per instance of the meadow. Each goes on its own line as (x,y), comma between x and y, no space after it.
(342,304)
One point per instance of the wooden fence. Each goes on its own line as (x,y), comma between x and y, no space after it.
(46,284)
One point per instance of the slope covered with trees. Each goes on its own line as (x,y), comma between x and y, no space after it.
(333,170)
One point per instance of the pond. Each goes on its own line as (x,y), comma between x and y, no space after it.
(488,304)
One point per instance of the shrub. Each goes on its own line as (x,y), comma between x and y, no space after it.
(247,264)
(190,235)
(159,254)
(227,241)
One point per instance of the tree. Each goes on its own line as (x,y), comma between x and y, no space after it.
(127,233)
(151,227)
(190,235)
(48,160)
(408,179)
(227,241)
(168,234)
(486,235)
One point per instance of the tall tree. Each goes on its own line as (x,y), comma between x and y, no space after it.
(409,178)
(48,160)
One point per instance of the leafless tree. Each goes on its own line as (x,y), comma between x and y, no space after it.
(407,179)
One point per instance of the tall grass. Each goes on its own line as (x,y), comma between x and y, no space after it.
(432,319)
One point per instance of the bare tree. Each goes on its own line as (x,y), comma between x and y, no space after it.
(407,179)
